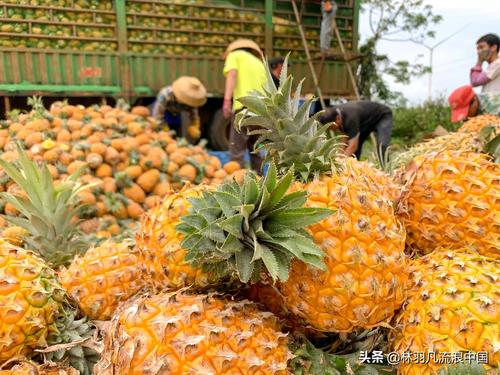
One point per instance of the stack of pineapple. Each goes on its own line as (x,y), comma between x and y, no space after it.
(322,241)
(133,163)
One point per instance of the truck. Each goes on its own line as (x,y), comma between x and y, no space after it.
(108,49)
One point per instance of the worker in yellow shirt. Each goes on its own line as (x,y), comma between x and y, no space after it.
(245,72)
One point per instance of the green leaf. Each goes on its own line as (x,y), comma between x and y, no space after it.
(227,202)
(257,250)
(231,245)
(283,262)
(196,221)
(270,262)
(270,178)
(233,225)
(250,190)
(185,228)
(244,264)
(191,241)
(298,217)
(214,233)
(279,191)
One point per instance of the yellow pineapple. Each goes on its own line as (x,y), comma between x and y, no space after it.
(175,333)
(15,235)
(102,278)
(236,231)
(159,243)
(451,200)
(449,142)
(475,124)
(365,277)
(29,302)
(36,313)
(23,367)
(453,307)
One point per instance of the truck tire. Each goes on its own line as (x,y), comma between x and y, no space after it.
(218,133)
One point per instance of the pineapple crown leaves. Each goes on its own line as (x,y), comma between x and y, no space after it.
(47,209)
(464,368)
(314,361)
(38,108)
(74,341)
(290,137)
(241,230)
(489,136)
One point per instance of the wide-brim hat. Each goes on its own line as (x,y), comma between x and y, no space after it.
(243,43)
(189,91)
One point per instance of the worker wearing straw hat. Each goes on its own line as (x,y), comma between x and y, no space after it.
(245,72)
(177,105)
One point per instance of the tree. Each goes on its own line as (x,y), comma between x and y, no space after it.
(396,21)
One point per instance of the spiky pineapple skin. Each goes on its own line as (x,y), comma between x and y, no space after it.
(175,333)
(102,278)
(30,297)
(475,124)
(389,186)
(15,235)
(27,368)
(452,200)
(466,141)
(453,306)
(159,243)
(366,277)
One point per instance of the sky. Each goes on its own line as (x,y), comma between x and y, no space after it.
(452,59)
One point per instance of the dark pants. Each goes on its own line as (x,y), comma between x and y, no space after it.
(239,143)
(384,130)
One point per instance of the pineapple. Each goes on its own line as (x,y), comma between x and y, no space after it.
(47,210)
(15,235)
(365,278)
(36,313)
(159,243)
(102,278)
(176,333)
(235,232)
(451,200)
(454,306)
(20,367)
(451,141)
(475,124)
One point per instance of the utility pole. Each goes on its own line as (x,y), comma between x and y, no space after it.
(431,57)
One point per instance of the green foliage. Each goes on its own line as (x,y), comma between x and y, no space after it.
(47,209)
(313,361)
(241,230)
(492,139)
(292,139)
(411,124)
(392,20)
(463,369)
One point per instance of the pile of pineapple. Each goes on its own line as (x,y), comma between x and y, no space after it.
(297,272)
(131,162)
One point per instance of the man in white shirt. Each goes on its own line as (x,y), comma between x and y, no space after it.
(487,50)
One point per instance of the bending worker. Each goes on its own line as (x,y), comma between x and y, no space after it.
(177,106)
(356,120)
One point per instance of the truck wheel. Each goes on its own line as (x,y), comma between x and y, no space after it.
(219,132)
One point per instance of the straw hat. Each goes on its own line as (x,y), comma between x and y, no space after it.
(243,43)
(189,91)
